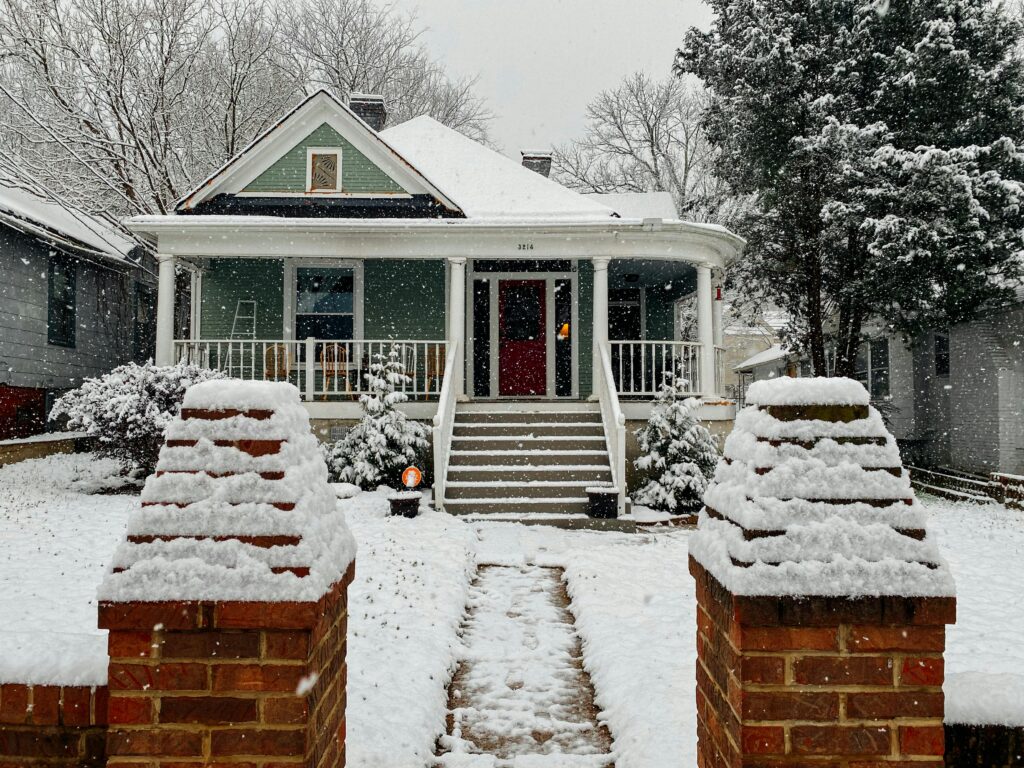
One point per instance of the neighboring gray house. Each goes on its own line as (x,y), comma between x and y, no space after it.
(953,399)
(76,300)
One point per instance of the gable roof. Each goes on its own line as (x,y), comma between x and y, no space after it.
(483,183)
(320,108)
(61,224)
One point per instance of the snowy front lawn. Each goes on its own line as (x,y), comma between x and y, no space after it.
(632,598)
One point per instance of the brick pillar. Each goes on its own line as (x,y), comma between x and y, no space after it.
(52,725)
(226,605)
(247,683)
(821,599)
(819,681)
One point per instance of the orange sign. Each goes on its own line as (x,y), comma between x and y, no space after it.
(411,477)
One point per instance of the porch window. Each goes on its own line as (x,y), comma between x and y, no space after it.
(941,354)
(324,303)
(61,310)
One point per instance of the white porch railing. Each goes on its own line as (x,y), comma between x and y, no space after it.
(444,422)
(321,368)
(638,367)
(614,423)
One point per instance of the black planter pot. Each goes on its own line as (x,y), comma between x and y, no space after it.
(603,503)
(405,504)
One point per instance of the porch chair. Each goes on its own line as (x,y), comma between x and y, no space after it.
(436,359)
(276,362)
(334,363)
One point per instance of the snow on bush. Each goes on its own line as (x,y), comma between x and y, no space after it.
(384,442)
(128,409)
(679,454)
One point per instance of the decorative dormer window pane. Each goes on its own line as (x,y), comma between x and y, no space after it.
(324,172)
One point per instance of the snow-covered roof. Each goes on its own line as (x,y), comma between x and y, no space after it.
(60,223)
(638,205)
(770,355)
(484,183)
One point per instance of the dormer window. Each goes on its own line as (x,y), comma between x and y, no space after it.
(323,169)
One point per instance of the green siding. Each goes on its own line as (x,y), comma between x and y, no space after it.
(585,284)
(227,281)
(404,299)
(358,174)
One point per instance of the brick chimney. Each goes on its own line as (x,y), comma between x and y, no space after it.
(371,108)
(539,162)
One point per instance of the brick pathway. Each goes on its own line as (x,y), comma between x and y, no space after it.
(521,690)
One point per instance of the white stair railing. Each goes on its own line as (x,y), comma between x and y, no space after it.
(444,419)
(614,422)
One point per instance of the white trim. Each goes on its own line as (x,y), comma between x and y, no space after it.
(358,288)
(336,151)
(332,195)
(245,167)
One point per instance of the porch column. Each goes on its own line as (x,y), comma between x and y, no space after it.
(716,317)
(457,316)
(600,309)
(705,331)
(165,311)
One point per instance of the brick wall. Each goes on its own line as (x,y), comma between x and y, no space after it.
(243,684)
(52,725)
(819,681)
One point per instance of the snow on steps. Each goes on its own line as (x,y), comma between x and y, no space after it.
(525,459)
(950,484)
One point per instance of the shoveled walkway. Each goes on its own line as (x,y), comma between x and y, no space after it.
(520,696)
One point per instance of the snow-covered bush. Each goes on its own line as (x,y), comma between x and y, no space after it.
(676,453)
(128,409)
(384,442)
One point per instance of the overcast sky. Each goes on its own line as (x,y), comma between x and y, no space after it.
(541,61)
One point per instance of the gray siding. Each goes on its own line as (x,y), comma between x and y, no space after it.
(105,327)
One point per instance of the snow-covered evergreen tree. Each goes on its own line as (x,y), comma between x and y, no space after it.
(883,142)
(128,409)
(384,442)
(676,451)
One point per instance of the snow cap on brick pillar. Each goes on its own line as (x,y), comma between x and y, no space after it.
(226,603)
(822,599)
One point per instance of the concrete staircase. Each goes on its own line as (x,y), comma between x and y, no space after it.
(514,459)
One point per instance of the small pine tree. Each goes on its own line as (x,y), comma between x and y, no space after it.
(679,454)
(384,442)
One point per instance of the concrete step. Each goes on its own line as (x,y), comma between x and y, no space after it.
(538,489)
(571,522)
(518,443)
(528,406)
(526,457)
(592,473)
(506,417)
(484,506)
(527,429)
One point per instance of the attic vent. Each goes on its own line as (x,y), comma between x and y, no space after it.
(324,170)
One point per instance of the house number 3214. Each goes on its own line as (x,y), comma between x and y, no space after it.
(525,247)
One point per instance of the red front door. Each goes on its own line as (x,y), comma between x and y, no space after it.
(522,347)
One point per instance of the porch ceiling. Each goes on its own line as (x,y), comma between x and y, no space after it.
(648,273)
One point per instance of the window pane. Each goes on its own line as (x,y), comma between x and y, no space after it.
(941,354)
(61,302)
(323,326)
(522,313)
(879,368)
(563,338)
(324,290)
(624,322)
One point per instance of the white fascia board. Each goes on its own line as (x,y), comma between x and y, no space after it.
(267,149)
(270,237)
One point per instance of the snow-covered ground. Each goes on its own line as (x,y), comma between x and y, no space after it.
(631,595)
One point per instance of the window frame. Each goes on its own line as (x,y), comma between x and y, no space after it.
(70,265)
(310,152)
(291,292)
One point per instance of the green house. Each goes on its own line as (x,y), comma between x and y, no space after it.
(510,298)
